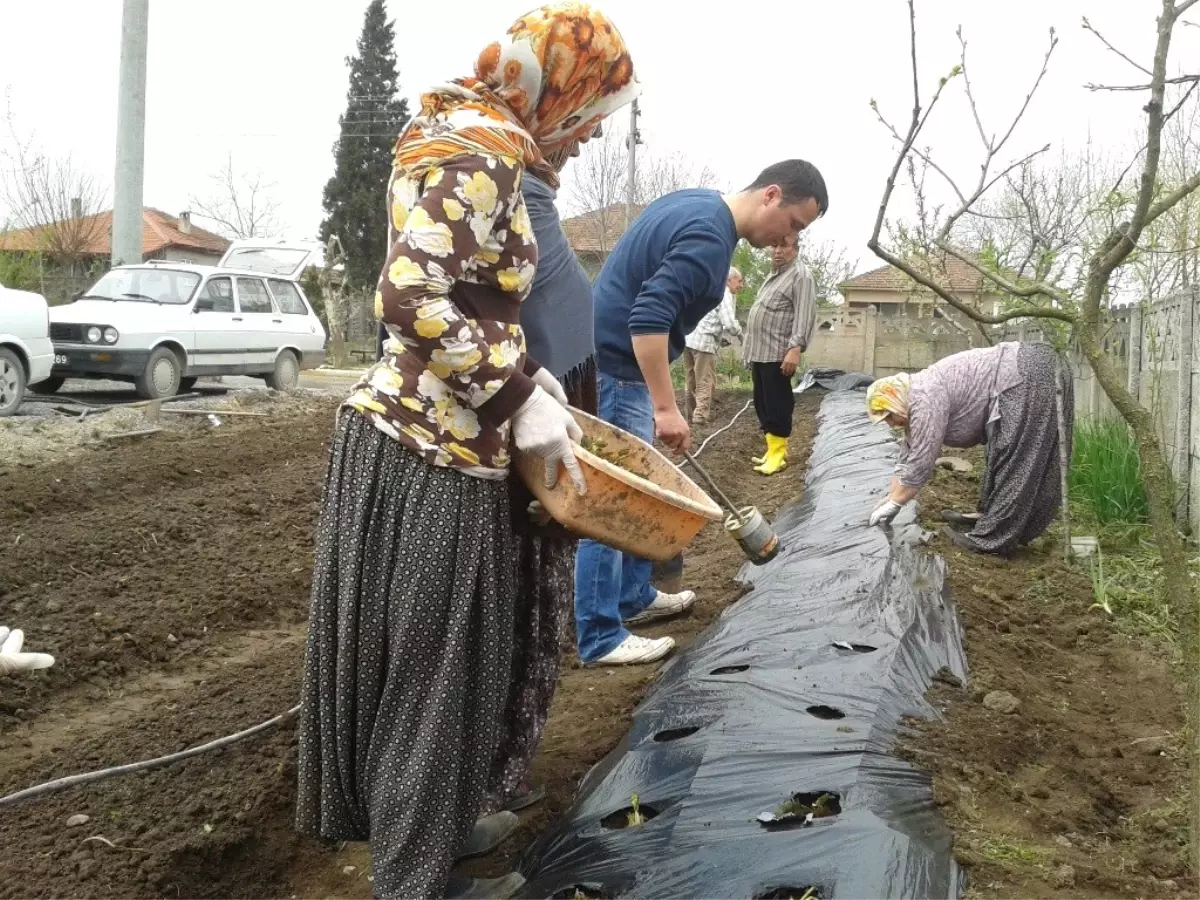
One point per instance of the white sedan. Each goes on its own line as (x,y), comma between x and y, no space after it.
(26,353)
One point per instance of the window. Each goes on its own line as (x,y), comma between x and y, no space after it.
(287,298)
(146,285)
(253,296)
(220,292)
(270,260)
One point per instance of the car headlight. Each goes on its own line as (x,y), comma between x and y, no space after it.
(110,335)
(94,335)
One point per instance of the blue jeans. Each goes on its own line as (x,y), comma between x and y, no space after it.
(611,585)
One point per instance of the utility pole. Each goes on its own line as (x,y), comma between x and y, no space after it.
(131,134)
(631,142)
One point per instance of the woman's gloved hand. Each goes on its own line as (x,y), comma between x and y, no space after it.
(548,383)
(11,657)
(884,513)
(544,428)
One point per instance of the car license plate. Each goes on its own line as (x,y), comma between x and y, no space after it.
(60,359)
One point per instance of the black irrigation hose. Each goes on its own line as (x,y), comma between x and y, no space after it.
(61,784)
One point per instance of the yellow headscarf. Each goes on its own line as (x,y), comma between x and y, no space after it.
(889,395)
(559,72)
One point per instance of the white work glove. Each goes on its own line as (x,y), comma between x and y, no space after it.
(11,657)
(544,428)
(548,383)
(884,513)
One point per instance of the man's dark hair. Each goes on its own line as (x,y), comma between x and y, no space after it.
(798,179)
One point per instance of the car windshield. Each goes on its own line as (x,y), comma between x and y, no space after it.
(269,260)
(146,286)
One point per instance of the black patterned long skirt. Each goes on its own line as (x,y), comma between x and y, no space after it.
(545,598)
(1021,490)
(410,643)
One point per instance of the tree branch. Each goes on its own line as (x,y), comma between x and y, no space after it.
(1181,79)
(1087,26)
(1033,289)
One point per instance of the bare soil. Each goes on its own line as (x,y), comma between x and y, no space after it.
(1081,791)
(171,578)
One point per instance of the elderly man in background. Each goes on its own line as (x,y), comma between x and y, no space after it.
(714,331)
(778,330)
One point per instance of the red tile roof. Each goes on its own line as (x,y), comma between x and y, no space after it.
(599,230)
(959,277)
(159,232)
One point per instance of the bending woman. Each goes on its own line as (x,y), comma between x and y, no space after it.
(414,588)
(1003,397)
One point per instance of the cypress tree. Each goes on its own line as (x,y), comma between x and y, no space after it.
(354,198)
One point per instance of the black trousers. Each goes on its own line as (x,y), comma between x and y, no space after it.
(380,339)
(773,398)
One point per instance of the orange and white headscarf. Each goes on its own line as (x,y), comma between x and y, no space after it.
(558,72)
(889,395)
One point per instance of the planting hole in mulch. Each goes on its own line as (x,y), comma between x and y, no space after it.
(620,819)
(675,734)
(801,809)
(728,670)
(580,892)
(811,892)
(825,712)
(857,648)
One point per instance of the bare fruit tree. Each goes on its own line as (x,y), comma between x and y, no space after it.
(828,264)
(598,181)
(240,204)
(1117,232)
(53,197)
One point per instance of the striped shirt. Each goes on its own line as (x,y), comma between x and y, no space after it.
(782,317)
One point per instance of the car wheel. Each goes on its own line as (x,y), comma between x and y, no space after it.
(49,386)
(12,382)
(161,377)
(287,372)
(186,384)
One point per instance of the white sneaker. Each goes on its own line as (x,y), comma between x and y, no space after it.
(663,606)
(636,650)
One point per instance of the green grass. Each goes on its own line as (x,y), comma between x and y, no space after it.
(1013,851)
(1106,478)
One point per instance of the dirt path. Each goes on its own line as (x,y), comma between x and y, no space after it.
(1079,793)
(171,580)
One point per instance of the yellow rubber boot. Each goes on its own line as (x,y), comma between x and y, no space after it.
(759,460)
(776,458)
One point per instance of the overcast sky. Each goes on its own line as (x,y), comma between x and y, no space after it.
(265,80)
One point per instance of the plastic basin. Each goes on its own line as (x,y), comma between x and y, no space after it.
(653,517)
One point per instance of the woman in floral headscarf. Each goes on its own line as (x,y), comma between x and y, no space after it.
(411,634)
(1004,397)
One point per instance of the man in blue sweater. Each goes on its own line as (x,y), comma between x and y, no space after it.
(665,274)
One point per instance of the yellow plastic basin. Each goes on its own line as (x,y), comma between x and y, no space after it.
(653,517)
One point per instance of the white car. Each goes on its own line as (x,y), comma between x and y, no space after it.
(161,325)
(26,354)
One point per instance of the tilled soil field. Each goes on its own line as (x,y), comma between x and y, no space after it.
(170,579)
(1075,784)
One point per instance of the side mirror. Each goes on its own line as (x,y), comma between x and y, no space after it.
(204,304)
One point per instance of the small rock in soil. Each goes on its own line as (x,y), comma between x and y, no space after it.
(1153,746)
(78,819)
(1040,794)
(1064,876)
(1063,841)
(945,676)
(1002,702)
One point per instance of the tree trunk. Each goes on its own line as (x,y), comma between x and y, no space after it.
(1181,593)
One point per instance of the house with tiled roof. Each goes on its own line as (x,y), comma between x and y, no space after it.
(892,292)
(594,234)
(163,237)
